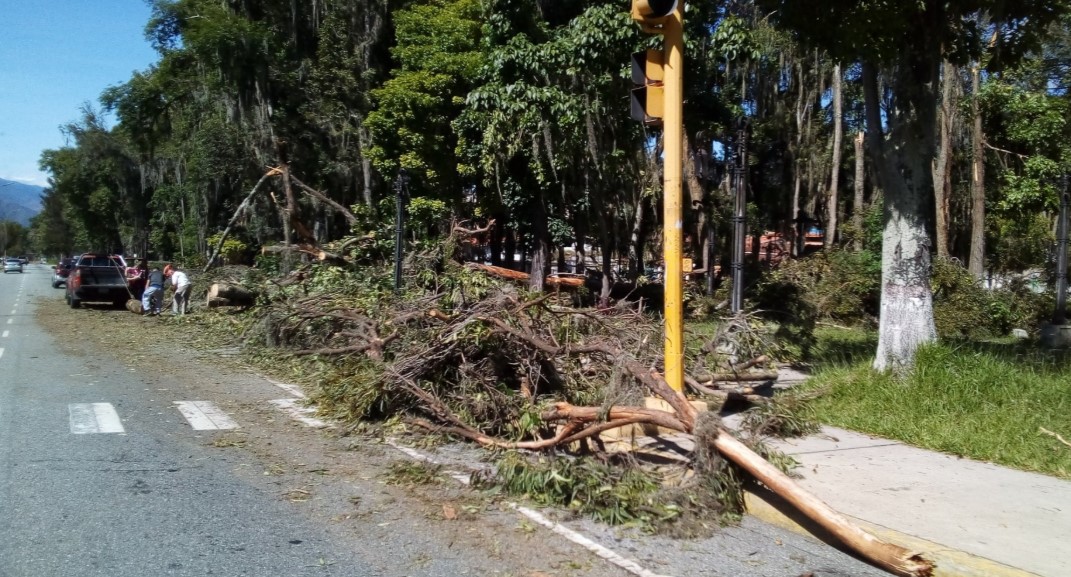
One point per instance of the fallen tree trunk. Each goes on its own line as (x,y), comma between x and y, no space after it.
(500,272)
(554,281)
(888,556)
(228,294)
(566,282)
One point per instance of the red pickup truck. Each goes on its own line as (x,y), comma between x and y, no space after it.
(97,278)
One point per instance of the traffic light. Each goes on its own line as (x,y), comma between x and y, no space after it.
(651,14)
(648,99)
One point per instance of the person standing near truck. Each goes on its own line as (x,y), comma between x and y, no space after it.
(137,277)
(181,283)
(153,297)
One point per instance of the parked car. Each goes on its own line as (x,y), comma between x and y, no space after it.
(61,271)
(98,278)
(12,265)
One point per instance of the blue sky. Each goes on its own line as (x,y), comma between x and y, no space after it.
(56,55)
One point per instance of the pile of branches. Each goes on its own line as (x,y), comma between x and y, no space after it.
(476,357)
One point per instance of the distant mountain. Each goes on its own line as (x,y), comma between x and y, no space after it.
(18,201)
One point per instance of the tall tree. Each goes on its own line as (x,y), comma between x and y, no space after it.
(834,179)
(907,42)
(976,262)
(942,163)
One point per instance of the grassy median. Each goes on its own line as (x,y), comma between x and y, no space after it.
(990,401)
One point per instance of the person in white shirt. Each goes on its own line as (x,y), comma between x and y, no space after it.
(181,283)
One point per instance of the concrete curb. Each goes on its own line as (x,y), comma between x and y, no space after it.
(766,506)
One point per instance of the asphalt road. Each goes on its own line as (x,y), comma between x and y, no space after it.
(106,470)
(93,482)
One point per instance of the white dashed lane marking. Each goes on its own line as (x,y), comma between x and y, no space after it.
(204,416)
(6,333)
(87,418)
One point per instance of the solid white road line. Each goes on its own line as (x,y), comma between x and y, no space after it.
(607,554)
(204,416)
(94,418)
(292,389)
(299,413)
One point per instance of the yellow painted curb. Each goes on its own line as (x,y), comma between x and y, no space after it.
(948,562)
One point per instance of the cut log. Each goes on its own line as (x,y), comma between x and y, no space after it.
(888,556)
(134,306)
(500,272)
(552,282)
(564,282)
(235,295)
(218,302)
(333,259)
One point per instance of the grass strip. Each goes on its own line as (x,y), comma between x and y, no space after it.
(985,401)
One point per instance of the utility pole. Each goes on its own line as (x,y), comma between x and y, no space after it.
(666,17)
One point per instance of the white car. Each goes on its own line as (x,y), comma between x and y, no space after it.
(12,265)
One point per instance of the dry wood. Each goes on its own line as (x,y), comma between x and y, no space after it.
(237,214)
(749,363)
(653,381)
(745,394)
(888,556)
(345,212)
(488,441)
(571,413)
(373,347)
(1052,434)
(735,377)
(333,259)
(462,232)
(500,272)
(555,281)
(565,282)
(356,240)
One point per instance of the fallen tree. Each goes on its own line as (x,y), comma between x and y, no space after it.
(486,362)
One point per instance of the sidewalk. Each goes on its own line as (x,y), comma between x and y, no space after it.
(971,518)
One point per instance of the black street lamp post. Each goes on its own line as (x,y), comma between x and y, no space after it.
(401,191)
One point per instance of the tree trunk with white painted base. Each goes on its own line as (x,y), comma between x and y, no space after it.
(904,173)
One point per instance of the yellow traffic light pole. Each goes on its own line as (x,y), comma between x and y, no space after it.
(666,17)
(672,216)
